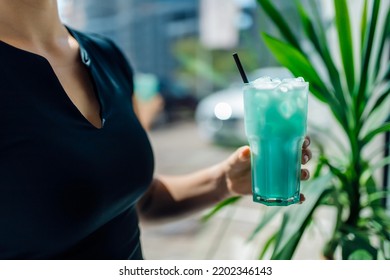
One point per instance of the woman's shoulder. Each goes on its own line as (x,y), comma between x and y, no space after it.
(96,44)
(102,50)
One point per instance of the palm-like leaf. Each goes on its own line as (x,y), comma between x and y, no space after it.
(299,65)
(345,38)
(367,48)
(296,219)
(349,186)
(280,22)
(352,106)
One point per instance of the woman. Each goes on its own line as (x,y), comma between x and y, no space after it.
(76,167)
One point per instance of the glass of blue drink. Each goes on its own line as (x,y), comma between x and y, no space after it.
(275,125)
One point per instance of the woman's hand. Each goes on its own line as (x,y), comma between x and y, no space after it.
(238,170)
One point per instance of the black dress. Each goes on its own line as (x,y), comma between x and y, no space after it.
(68,189)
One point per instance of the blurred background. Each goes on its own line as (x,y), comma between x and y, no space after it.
(186,44)
(189,95)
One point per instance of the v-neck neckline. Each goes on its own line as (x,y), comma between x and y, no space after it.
(86,61)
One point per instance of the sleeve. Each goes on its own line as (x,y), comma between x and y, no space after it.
(124,64)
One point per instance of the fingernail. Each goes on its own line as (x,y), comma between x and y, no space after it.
(306,142)
(305,158)
(245,155)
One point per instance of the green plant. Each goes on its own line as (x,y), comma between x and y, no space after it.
(197,64)
(356,89)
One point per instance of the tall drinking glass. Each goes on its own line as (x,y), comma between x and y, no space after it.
(275,125)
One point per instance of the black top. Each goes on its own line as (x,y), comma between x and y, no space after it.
(68,189)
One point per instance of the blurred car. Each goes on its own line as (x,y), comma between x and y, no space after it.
(220,116)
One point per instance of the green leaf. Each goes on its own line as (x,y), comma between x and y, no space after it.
(318,169)
(383,128)
(382,97)
(386,249)
(368,44)
(296,219)
(376,224)
(387,73)
(336,171)
(383,226)
(219,206)
(203,69)
(309,28)
(384,76)
(360,254)
(356,240)
(345,40)
(371,188)
(384,36)
(383,216)
(320,26)
(289,248)
(299,65)
(375,196)
(330,247)
(368,173)
(322,49)
(296,62)
(279,21)
(363,25)
(325,135)
(268,216)
(267,245)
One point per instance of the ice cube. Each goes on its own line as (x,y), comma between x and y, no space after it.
(287,108)
(283,89)
(265,83)
(262,99)
(265,79)
(293,80)
(295,83)
(300,102)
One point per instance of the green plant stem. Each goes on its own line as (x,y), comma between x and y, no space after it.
(355,205)
(332,244)
(356,171)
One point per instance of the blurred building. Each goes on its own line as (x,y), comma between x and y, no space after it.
(144,29)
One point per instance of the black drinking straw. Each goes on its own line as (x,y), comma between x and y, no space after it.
(240,69)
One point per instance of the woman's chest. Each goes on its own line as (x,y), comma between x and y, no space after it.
(59,172)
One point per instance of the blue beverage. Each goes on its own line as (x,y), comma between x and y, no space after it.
(275,125)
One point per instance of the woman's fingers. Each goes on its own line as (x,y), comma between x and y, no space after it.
(305,174)
(306,155)
(237,172)
(306,152)
(240,160)
(306,142)
(244,153)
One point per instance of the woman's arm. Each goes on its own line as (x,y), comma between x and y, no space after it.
(172,196)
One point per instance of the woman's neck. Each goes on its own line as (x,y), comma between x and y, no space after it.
(34,22)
